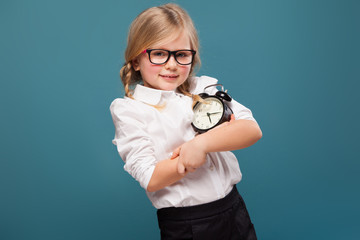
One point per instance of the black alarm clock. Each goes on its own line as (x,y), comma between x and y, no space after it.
(212,111)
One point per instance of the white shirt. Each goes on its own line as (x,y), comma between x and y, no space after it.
(145,135)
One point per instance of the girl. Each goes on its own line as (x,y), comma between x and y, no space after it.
(191,179)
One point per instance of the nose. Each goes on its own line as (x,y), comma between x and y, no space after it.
(171,63)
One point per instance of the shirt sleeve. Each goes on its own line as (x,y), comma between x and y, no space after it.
(199,83)
(133,143)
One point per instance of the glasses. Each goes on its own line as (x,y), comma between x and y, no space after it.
(161,56)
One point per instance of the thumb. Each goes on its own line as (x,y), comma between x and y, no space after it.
(181,168)
(232,118)
(175,153)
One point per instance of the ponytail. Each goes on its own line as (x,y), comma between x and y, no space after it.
(129,77)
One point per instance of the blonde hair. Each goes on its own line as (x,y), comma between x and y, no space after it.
(152,26)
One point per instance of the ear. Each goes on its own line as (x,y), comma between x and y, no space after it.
(135,64)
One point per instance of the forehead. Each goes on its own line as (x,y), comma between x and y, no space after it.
(180,40)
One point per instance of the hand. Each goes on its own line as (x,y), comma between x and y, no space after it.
(208,114)
(176,153)
(180,166)
(213,113)
(191,156)
(232,118)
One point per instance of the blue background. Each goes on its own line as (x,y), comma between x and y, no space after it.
(294,63)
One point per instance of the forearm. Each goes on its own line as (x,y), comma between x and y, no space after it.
(164,175)
(235,135)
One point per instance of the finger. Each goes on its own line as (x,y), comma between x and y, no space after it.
(219,126)
(175,153)
(190,169)
(181,168)
(232,118)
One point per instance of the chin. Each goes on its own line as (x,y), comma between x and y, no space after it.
(169,87)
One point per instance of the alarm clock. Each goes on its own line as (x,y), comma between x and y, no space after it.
(212,111)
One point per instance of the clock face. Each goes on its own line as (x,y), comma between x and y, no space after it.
(208,114)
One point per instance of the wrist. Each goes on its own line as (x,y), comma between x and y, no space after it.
(200,143)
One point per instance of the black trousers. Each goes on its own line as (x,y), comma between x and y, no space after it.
(226,219)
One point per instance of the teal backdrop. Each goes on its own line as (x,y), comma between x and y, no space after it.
(294,63)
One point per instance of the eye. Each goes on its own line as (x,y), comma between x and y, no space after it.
(159,53)
(183,54)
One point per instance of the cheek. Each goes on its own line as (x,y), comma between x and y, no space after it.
(148,71)
(185,70)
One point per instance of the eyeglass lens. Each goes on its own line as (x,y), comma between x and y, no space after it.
(159,56)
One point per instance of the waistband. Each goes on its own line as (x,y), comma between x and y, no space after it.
(199,211)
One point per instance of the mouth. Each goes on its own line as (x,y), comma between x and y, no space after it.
(169,76)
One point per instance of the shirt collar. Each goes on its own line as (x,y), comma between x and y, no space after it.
(150,95)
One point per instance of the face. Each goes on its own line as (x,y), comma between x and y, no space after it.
(169,75)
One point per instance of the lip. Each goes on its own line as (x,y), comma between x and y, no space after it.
(169,76)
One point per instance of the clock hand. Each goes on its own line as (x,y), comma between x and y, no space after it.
(213,113)
(208,114)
